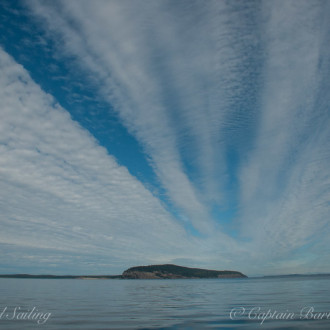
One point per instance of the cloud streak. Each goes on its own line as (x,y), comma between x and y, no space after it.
(228,100)
(285,184)
(173,87)
(63,193)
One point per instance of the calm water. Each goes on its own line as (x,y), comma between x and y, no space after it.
(165,304)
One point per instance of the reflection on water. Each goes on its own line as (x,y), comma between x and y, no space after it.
(276,303)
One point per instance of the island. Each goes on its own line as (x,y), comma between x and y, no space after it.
(169,271)
(166,271)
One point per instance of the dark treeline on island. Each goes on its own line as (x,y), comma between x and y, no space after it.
(167,271)
(174,271)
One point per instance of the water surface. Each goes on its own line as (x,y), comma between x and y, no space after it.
(291,303)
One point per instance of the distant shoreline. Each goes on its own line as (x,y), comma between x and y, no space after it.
(110,277)
(66,277)
(165,271)
(292,275)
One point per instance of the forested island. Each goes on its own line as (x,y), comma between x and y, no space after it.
(167,271)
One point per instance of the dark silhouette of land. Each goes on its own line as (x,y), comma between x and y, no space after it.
(167,271)
(90,277)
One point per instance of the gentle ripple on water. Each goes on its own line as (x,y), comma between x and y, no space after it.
(164,304)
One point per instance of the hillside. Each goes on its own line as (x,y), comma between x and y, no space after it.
(169,271)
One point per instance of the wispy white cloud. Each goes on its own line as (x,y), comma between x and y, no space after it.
(171,85)
(63,194)
(285,185)
(193,80)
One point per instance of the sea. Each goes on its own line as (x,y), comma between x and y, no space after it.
(251,303)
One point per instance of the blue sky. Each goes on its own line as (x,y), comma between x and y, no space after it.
(142,132)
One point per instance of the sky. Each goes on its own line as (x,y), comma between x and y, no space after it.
(146,132)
